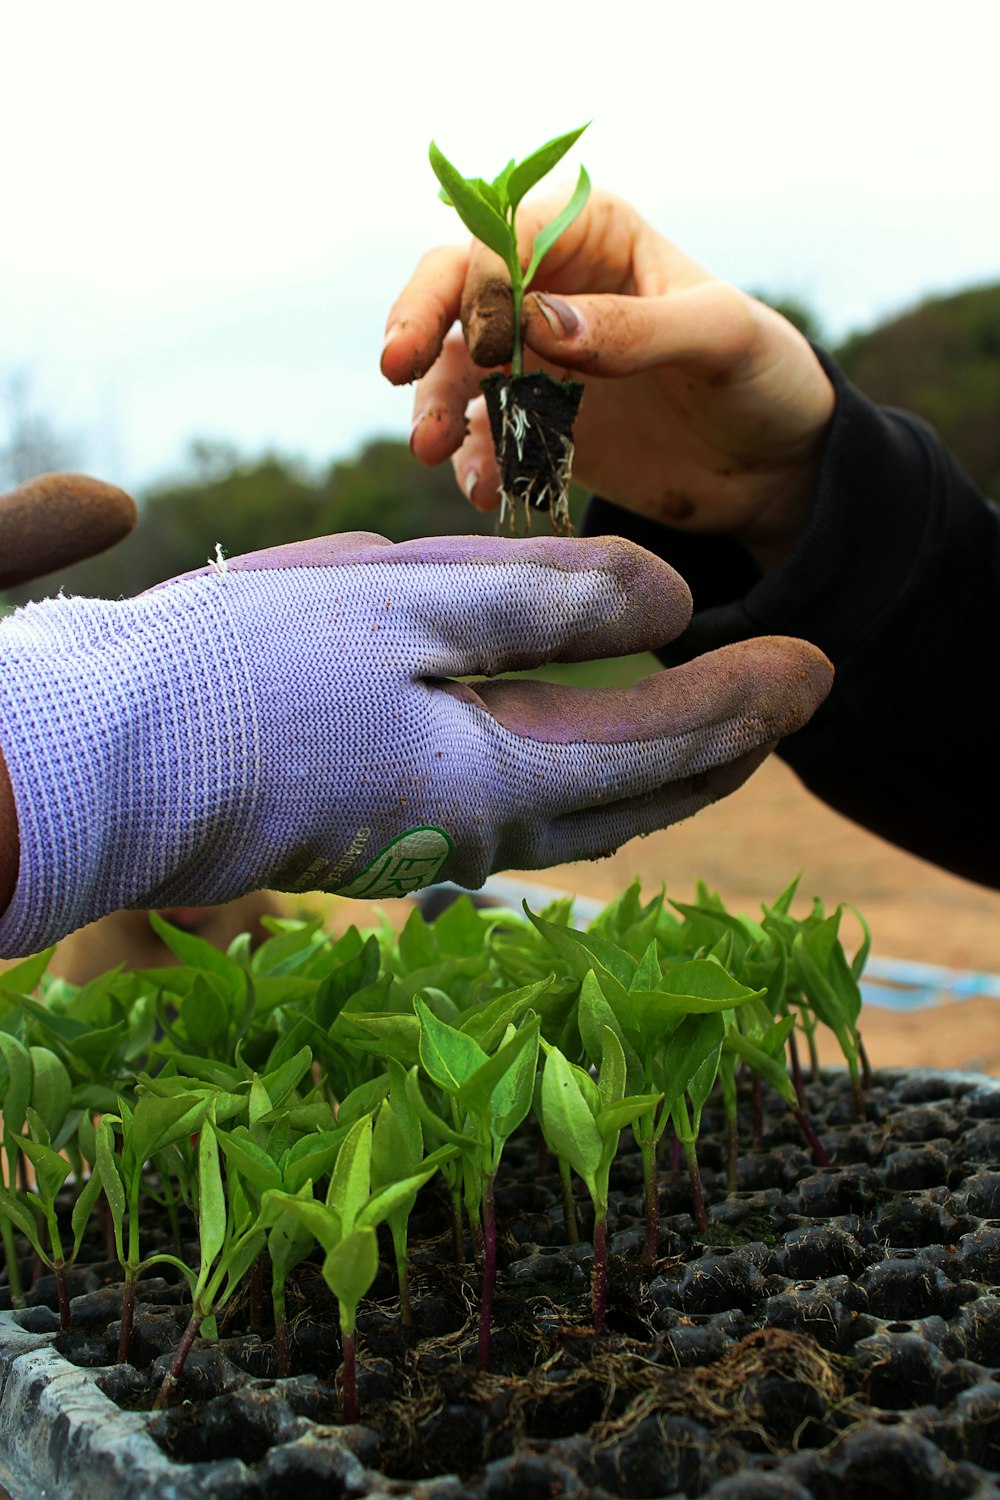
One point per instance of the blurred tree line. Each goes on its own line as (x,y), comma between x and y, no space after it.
(940,360)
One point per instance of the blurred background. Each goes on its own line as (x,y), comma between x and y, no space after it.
(210,208)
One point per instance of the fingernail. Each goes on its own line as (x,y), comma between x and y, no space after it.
(469,483)
(563,319)
(390,334)
(417,423)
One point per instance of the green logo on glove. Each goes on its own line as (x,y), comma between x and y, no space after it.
(409,862)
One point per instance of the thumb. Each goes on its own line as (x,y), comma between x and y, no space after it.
(707,327)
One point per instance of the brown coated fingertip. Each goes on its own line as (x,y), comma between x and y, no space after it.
(55,520)
(794,678)
(488,322)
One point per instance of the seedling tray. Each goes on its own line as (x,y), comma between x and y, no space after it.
(835,1333)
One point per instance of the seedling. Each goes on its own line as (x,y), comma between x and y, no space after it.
(582,1122)
(489,1098)
(531,416)
(230,1237)
(344,1225)
(51,1170)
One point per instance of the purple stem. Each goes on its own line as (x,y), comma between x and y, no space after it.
(652,1181)
(489,1274)
(349,1377)
(128,1319)
(599,1274)
(170,1379)
(798,1082)
(866,1067)
(457,1236)
(282,1345)
(257,1294)
(405,1309)
(694,1177)
(732,1151)
(62,1287)
(758,1111)
(813,1140)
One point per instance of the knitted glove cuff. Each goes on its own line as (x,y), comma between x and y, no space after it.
(131,742)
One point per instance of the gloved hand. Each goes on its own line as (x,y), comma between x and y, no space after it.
(284,719)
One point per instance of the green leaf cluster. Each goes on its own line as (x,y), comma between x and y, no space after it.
(489,211)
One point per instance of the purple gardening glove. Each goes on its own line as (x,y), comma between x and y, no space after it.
(284,719)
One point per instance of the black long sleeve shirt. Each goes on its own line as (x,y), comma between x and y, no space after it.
(897,579)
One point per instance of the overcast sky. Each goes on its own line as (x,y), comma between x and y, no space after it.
(209,207)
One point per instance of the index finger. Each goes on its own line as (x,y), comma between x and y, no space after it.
(422,314)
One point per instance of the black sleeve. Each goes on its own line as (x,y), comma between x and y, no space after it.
(897,579)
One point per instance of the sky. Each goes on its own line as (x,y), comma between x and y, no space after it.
(210,207)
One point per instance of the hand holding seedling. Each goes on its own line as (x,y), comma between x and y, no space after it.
(703,408)
(291,719)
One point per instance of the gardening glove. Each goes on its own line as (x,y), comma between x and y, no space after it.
(284,719)
(56,520)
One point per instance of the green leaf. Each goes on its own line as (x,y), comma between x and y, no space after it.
(83,1208)
(478,216)
(157,1123)
(350,1268)
(567,1121)
(449,1057)
(211,1197)
(16,1094)
(520,179)
(515,1091)
(197,953)
(249,1160)
(322,1221)
(613,1075)
(390,1198)
(393,1155)
(288,1244)
(23,978)
(13,1207)
(697,1038)
(350,1181)
(478,1093)
(285,1079)
(51,1087)
(487,1023)
(51,1169)
(547,237)
(109,1172)
(311,1158)
(772,1071)
(584,951)
(612,1121)
(434,1123)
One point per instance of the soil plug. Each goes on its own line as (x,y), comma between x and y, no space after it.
(531,420)
(531,415)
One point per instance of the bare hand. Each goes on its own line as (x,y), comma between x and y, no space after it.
(704,409)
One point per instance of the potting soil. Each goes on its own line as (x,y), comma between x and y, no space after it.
(835,1334)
